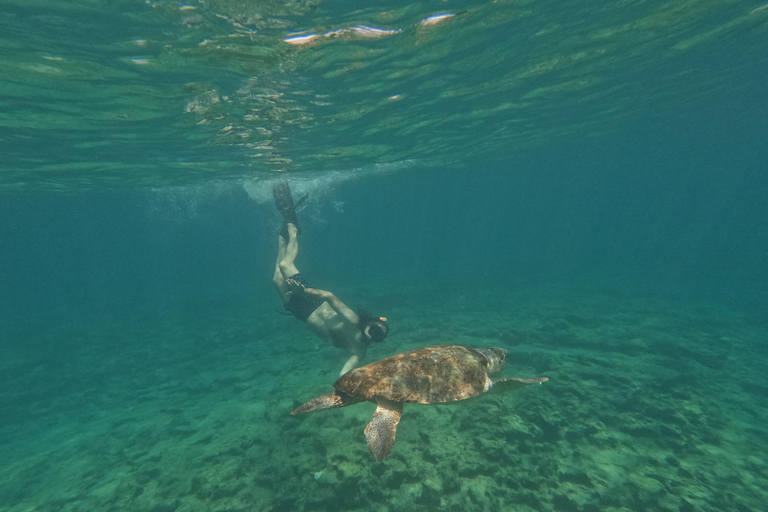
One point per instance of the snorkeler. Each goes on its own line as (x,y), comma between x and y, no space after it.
(322,312)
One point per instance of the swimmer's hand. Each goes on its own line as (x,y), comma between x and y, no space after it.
(320,294)
(299,289)
(295,287)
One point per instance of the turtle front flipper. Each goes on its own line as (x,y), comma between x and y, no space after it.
(380,432)
(327,401)
(511,383)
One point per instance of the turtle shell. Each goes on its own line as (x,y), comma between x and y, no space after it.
(444,373)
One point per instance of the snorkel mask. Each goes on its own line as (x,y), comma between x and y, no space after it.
(375,330)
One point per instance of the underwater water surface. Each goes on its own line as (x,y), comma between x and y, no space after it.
(581,185)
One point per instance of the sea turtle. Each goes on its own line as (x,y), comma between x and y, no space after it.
(432,375)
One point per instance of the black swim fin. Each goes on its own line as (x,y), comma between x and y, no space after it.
(284,202)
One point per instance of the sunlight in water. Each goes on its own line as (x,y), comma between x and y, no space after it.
(238,89)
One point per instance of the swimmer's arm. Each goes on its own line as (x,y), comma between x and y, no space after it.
(358,354)
(338,306)
(352,363)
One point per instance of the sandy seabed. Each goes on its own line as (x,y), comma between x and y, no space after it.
(652,404)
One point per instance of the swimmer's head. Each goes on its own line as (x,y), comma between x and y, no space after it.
(373,328)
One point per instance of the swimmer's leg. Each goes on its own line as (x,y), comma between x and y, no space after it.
(277,279)
(287,264)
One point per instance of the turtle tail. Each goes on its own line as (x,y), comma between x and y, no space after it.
(327,401)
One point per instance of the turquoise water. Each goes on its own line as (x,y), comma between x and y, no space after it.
(583,186)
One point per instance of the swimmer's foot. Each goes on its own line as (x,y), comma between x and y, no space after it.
(285,231)
(284,202)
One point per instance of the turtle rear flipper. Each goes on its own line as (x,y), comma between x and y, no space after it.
(380,432)
(327,401)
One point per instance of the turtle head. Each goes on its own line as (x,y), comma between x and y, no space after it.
(496,357)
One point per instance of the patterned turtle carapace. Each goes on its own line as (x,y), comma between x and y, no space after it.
(444,373)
